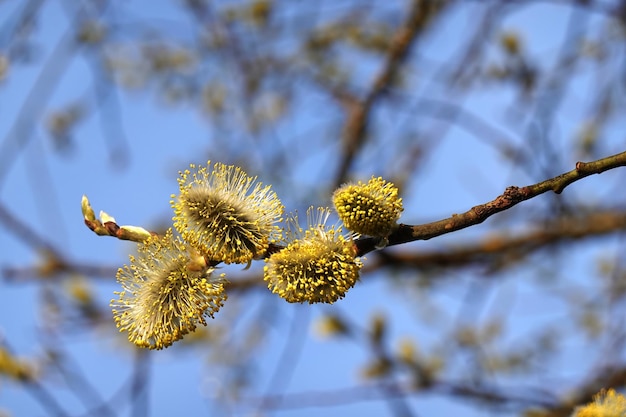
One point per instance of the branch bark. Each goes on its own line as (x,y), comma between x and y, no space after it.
(499,251)
(408,233)
(478,214)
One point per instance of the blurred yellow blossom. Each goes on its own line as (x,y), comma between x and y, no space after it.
(605,404)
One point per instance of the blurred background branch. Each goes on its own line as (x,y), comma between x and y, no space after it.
(453,101)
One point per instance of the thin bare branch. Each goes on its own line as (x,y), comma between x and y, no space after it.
(478,214)
(503,249)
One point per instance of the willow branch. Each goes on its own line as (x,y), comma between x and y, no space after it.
(492,252)
(405,233)
(478,214)
(495,252)
(106,225)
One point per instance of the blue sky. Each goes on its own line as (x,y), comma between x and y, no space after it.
(43,188)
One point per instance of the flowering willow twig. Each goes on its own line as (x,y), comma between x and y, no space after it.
(405,233)
(106,225)
(495,251)
(512,195)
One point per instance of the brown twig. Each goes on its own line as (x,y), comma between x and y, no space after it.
(478,214)
(491,253)
(496,251)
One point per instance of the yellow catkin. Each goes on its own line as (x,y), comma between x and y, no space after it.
(225,213)
(318,264)
(371,209)
(165,294)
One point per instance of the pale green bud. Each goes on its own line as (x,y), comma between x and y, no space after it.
(135,233)
(88,212)
(105,218)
